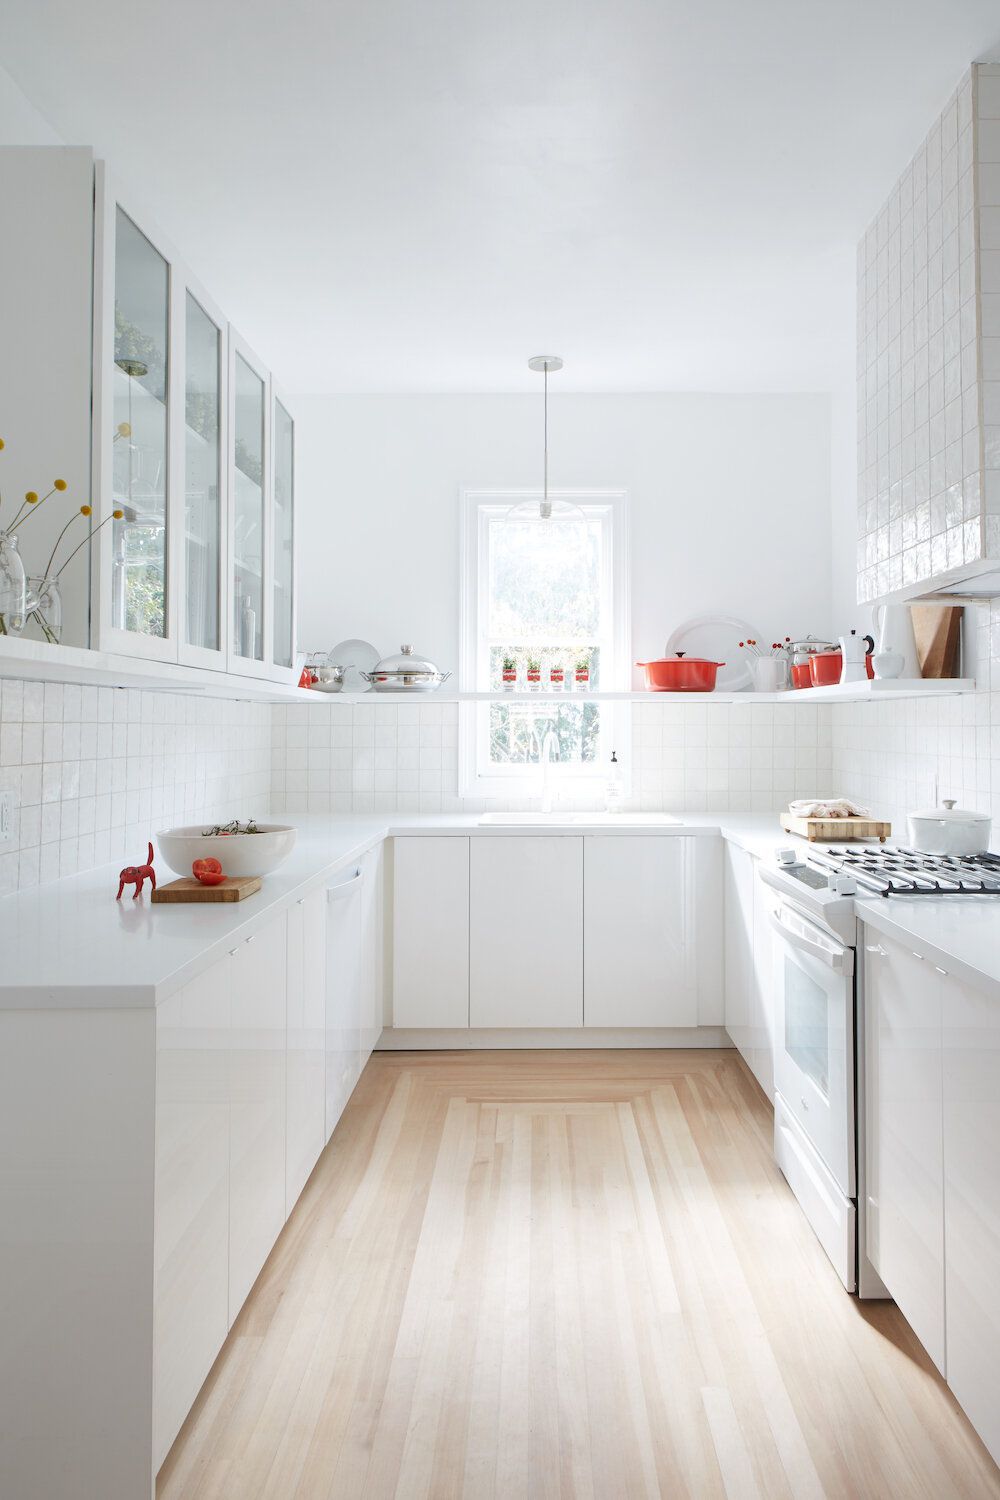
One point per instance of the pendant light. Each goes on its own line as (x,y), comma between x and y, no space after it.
(545,509)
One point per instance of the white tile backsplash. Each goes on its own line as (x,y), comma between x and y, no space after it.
(96,771)
(686,757)
(897,757)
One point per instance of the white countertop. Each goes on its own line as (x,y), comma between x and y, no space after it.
(70,944)
(959,933)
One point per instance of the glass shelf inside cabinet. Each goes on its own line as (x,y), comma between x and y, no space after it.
(139,462)
(248,512)
(202,466)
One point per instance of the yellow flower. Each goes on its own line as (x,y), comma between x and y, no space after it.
(85,510)
(31,497)
(58,484)
(118,514)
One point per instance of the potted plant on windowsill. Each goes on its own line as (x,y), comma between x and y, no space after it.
(509,673)
(534,673)
(557,677)
(582,674)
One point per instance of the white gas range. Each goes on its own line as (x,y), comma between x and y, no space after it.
(819,1015)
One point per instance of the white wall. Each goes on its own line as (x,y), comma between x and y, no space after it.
(730,506)
(20,122)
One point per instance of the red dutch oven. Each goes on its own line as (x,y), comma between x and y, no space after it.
(825,668)
(680,674)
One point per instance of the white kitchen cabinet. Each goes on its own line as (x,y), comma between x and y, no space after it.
(905,1178)
(749,978)
(971,1080)
(344,989)
(372,959)
(738,902)
(762,997)
(644,930)
(191,1239)
(257,1106)
(430,945)
(146,364)
(526,931)
(305,1055)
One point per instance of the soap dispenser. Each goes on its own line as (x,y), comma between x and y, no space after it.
(613,791)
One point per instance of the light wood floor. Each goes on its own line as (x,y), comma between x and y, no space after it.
(563,1274)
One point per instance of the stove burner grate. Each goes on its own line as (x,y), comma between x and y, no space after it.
(906,872)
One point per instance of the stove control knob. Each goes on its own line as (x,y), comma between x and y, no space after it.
(843,885)
(786,857)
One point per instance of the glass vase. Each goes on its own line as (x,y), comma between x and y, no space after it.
(45,608)
(13,587)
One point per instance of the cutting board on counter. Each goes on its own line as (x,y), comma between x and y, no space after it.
(233,888)
(836,830)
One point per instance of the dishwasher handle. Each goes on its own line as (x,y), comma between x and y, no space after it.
(837,958)
(345,889)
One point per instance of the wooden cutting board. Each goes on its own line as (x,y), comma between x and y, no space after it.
(836,830)
(233,888)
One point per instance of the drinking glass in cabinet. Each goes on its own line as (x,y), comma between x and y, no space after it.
(139,468)
(202,467)
(283,535)
(248,514)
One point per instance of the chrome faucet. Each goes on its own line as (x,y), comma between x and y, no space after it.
(545,747)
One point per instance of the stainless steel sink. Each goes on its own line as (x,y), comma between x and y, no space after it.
(577,820)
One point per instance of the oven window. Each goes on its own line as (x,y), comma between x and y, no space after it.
(806,1029)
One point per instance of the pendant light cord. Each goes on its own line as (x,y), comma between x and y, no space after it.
(545,440)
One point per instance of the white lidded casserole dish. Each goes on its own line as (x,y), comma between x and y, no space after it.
(950,830)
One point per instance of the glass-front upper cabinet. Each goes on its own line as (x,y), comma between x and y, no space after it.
(283,439)
(203,480)
(249,509)
(140,434)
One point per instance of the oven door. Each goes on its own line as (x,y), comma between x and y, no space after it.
(814,1038)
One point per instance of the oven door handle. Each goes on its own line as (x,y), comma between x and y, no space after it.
(840,960)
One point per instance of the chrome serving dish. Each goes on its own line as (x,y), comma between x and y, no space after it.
(405,673)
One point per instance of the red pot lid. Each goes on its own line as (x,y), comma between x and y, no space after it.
(683,659)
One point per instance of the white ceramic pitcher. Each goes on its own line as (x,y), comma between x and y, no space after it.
(893,631)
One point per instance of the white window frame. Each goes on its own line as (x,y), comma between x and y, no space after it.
(515,782)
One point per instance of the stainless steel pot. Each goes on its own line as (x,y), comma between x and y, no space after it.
(330,679)
(950,830)
(405,673)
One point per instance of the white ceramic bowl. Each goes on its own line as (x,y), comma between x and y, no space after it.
(238,853)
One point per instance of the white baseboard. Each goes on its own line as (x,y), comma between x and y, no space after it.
(489,1040)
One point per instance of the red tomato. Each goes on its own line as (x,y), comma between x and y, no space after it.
(208,871)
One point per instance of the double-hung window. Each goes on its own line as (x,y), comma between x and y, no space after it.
(544,638)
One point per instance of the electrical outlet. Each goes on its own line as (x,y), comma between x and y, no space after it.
(6,814)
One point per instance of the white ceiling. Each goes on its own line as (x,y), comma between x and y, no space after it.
(419,194)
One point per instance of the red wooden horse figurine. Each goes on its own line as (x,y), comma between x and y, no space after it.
(135,875)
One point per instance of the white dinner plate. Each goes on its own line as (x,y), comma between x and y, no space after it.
(358,657)
(717,638)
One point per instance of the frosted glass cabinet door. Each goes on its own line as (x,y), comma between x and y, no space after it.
(249,510)
(140,401)
(202,625)
(284,536)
